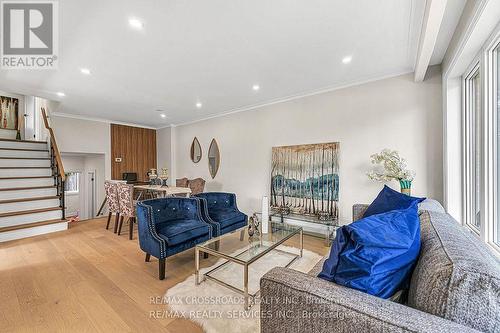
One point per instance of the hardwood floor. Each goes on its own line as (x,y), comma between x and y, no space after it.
(88,279)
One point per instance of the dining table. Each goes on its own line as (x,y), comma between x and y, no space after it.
(160,191)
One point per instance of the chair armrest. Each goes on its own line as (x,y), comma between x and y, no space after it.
(206,217)
(295,302)
(149,240)
(358,210)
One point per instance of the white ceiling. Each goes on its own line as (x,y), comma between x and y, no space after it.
(214,51)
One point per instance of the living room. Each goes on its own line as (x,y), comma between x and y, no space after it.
(250,167)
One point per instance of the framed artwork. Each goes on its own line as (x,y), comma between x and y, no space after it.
(305,180)
(9,108)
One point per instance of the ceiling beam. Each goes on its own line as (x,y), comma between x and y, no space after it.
(434,13)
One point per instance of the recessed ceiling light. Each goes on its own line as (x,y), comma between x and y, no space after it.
(199,105)
(85,71)
(256,87)
(346,60)
(136,23)
(60,94)
(163,115)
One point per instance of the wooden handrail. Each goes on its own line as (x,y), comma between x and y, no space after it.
(53,143)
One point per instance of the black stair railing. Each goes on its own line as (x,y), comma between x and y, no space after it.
(56,165)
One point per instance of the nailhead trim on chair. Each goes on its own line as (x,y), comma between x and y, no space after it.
(152,230)
(209,220)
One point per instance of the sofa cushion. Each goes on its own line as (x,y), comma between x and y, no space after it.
(180,231)
(388,200)
(456,277)
(226,217)
(375,254)
(430,205)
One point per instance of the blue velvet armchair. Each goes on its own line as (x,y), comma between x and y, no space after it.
(170,225)
(220,210)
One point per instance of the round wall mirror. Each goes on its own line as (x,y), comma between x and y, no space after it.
(213,158)
(196,151)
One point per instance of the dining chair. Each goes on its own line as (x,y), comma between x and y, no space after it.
(110,188)
(127,207)
(181,182)
(196,185)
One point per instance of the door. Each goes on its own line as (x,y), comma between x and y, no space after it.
(29,118)
(91,194)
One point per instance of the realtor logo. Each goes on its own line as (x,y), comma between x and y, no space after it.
(29,32)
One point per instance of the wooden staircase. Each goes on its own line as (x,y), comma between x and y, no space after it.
(31,188)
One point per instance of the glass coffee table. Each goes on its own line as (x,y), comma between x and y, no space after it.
(244,251)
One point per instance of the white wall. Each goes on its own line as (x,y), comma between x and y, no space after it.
(92,139)
(74,202)
(164,149)
(83,136)
(84,163)
(394,113)
(95,162)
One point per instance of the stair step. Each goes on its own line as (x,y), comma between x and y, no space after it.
(23,144)
(27,141)
(23,149)
(11,182)
(30,211)
(25,177)
(24,158)
(32,229)
(23,153)
(26,188)
(28,199)
(29,216)
(21,163)
(19,205)
(27,192)
(31,225)
(24,171)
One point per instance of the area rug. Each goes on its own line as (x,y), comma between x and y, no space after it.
(218,309)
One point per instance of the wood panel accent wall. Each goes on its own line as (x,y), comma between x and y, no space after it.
(136,147)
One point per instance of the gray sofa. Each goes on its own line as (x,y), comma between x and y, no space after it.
(455,287)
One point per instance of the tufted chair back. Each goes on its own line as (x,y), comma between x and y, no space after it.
(173,209)
(111,189)
(219,200)
(196,185)
(126,199)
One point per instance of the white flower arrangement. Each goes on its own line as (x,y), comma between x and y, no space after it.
(394,167)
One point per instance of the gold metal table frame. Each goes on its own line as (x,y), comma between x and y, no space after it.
(203,248)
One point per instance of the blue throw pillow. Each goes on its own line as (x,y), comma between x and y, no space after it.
(375,254)
(388,200)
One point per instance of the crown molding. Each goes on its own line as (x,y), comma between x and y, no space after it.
(101,120)
(297,96)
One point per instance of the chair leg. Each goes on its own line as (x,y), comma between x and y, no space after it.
(242,234)
(120,225)
(161,263)
(117,219)
(131,222)
(148,257)
(217,245)
(109,219)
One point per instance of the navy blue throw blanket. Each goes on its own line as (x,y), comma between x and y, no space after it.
(376,254)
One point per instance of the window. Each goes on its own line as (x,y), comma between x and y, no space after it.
(496,113)
(481,144)
(472,117)
(72,184)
